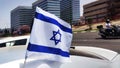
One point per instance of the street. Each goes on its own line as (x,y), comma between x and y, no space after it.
(93,39)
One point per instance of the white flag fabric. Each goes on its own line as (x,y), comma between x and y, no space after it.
(50,38)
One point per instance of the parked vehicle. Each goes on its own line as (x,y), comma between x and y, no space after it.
(112,32)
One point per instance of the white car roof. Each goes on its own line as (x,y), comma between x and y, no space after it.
(94,51)
(7,53)
(13,57)
(99,52)
(9,39)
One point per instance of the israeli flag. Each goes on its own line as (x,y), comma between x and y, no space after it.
(50,38)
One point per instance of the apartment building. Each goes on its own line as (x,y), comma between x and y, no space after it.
(21,15)
(70,10)
(101,9)
(52,6)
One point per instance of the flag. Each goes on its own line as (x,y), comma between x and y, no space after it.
(50,38)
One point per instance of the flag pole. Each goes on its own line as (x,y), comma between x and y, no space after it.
(25,60)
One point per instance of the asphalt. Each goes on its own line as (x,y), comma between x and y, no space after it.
(93,39)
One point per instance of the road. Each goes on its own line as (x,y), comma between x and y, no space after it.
(93,39)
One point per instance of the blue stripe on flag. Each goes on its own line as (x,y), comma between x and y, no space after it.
(44,49)
(52,21)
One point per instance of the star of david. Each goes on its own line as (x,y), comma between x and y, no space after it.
(56,37)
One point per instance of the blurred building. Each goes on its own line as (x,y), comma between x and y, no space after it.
(52,6)
(70,10)
(101,9)
(21,15)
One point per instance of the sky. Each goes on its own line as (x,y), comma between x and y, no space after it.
(7,5)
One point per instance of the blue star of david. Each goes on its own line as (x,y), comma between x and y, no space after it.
(56,37)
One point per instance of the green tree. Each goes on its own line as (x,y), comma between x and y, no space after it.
(89,23)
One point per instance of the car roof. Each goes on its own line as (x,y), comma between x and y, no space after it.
(7,53)
(95,52)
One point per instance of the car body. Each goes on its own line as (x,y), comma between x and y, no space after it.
(86,57)
(81,57)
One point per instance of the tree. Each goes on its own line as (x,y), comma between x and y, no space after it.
(6,32)
(25,29)
(89,23)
